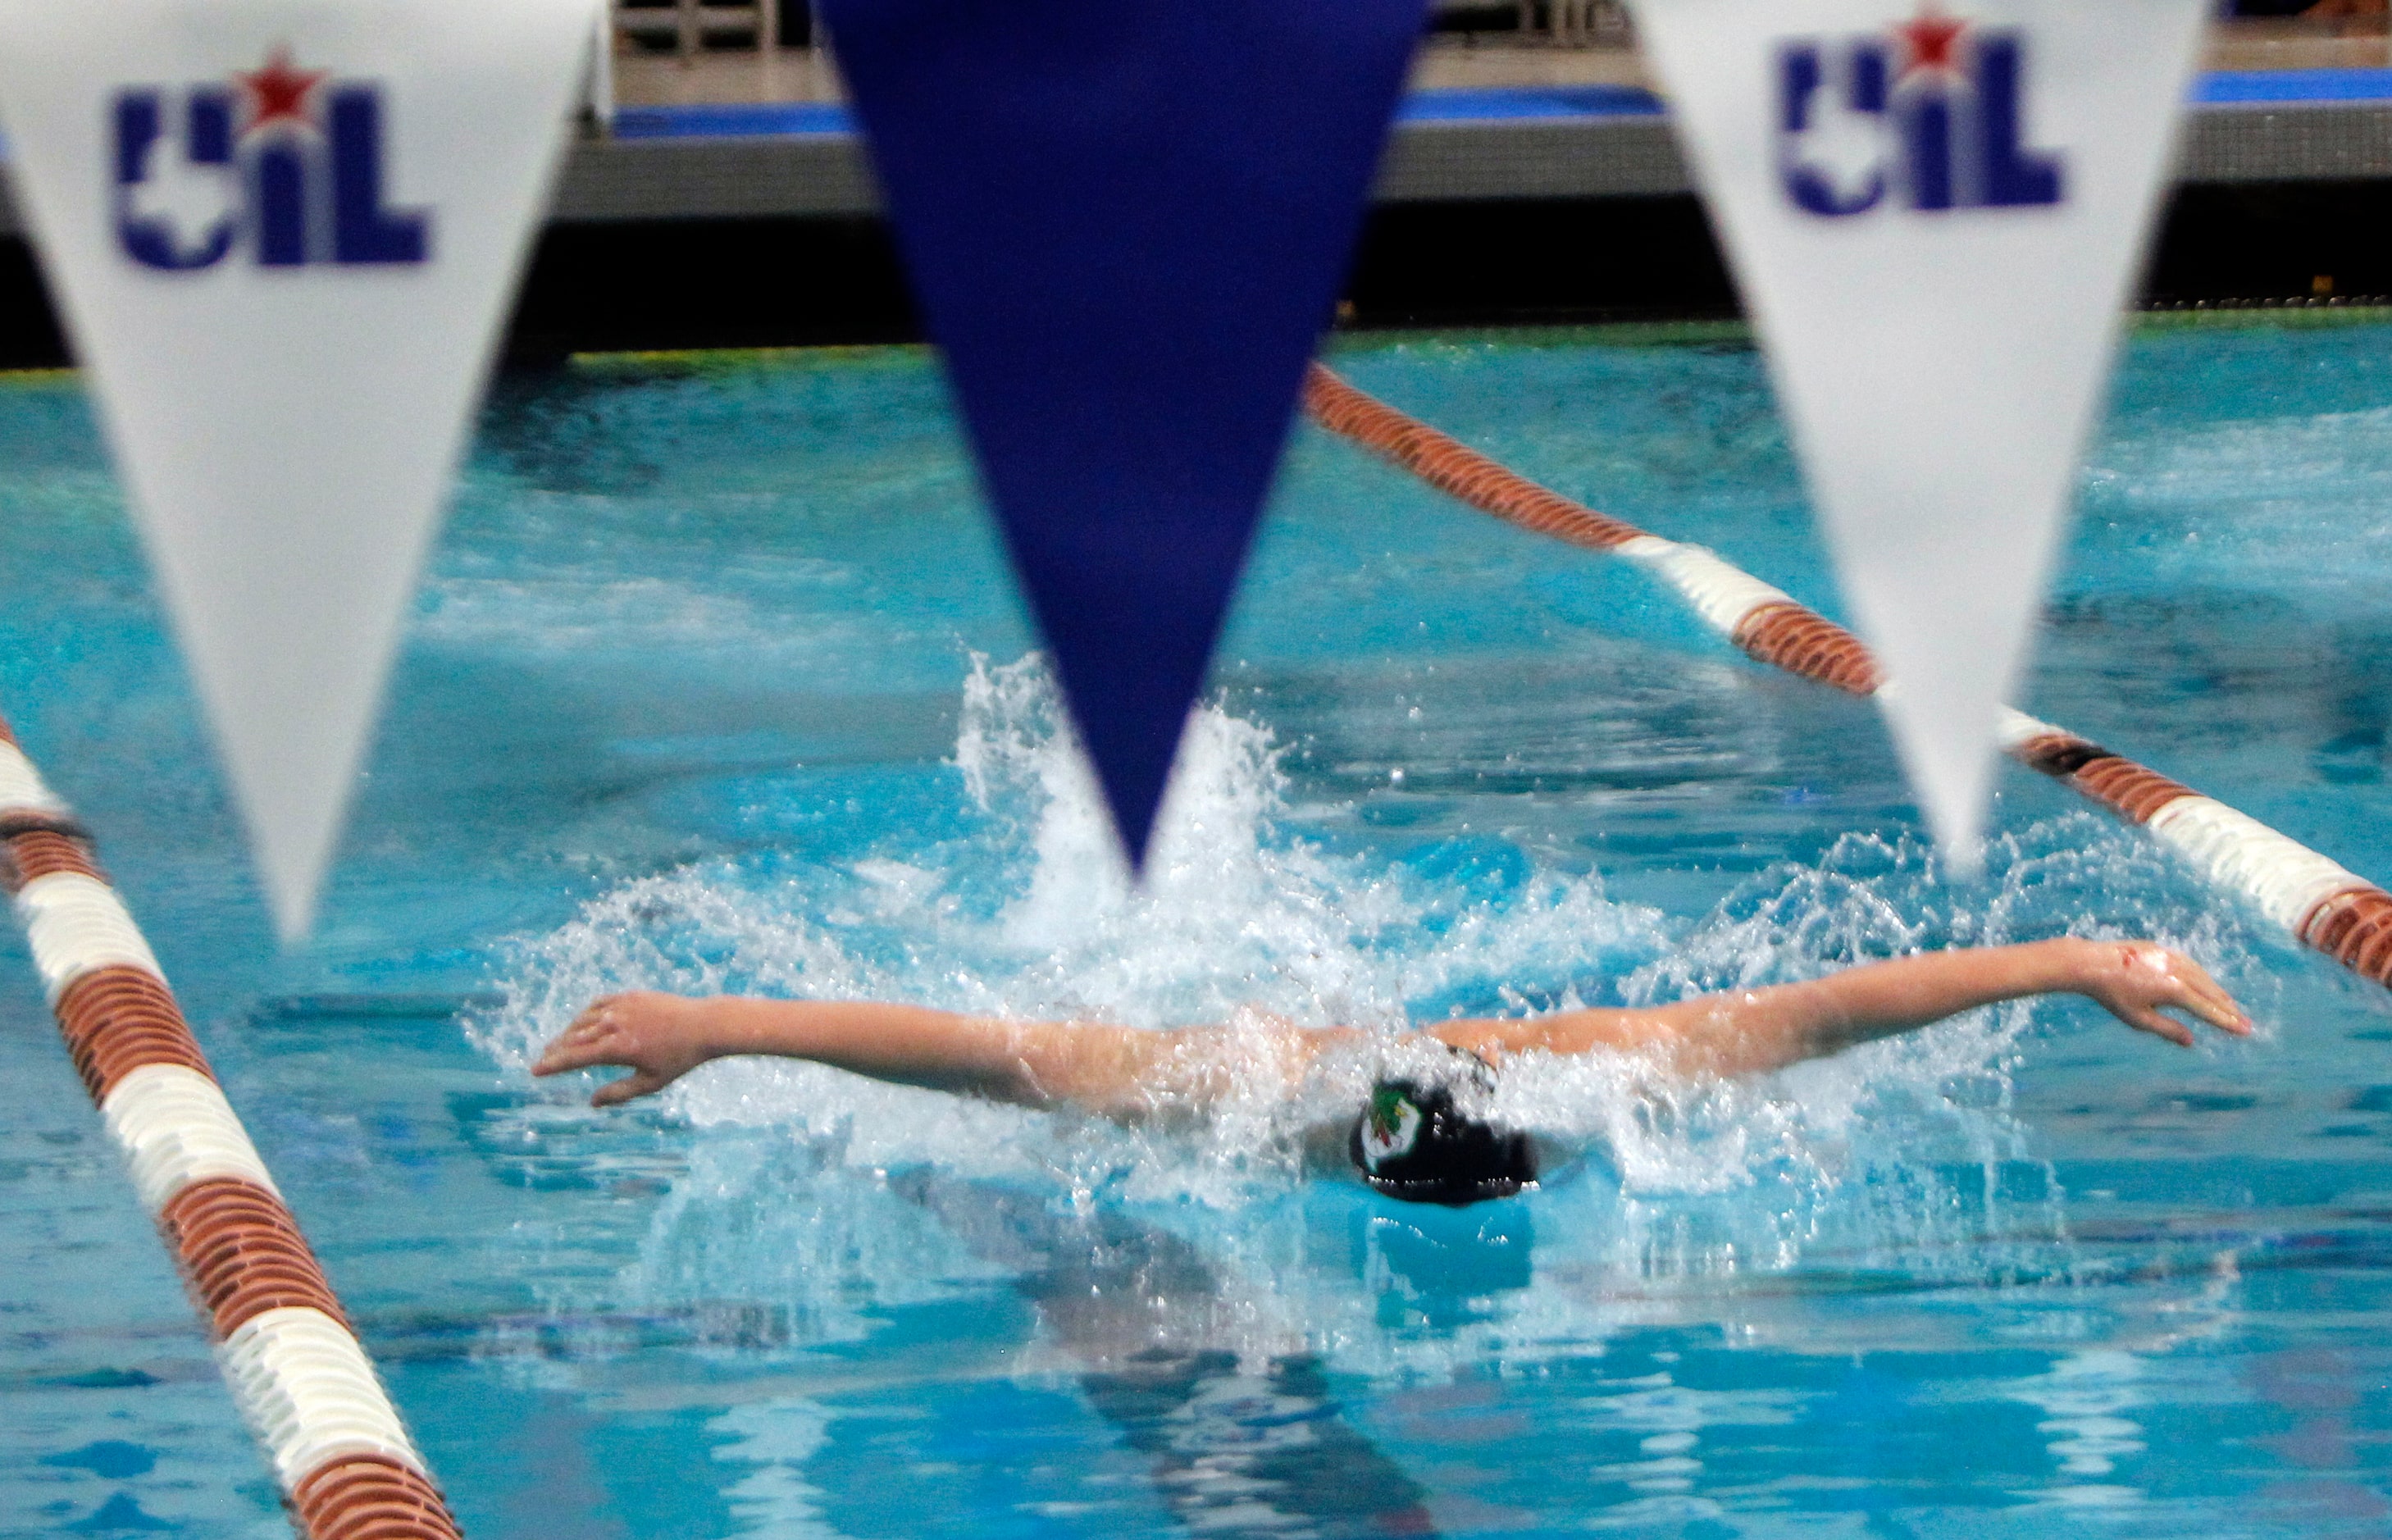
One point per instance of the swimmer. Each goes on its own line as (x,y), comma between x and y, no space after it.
(1415,1136)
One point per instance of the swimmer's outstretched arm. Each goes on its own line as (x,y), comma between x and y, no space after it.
(1746,1031)
(1126,1073)
(1129,1074)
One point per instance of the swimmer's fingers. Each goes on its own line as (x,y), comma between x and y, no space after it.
(2174,979)
(566,1055)
(600,1017)
(2145,1019)
(569,1048)
(563,1057)
(2206,998)
(640,1082)
(2145,978)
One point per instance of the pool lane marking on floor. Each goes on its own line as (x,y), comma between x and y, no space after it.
(2323,905)
(297,1370)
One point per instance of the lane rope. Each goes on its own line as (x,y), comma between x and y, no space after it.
(2323,905)
(302,1382)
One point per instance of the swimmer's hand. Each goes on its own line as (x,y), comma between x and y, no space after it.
(2136,981)
(658,1037)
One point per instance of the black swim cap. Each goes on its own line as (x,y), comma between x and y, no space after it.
(1412,1143)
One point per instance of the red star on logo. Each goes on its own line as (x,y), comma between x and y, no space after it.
(279,91)
(1933,41)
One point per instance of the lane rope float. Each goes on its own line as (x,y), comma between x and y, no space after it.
(345,1465)
(2322,903)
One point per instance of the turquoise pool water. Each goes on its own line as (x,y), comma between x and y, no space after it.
(718,681)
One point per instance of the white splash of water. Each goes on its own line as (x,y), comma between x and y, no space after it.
(1894,1154)
(1236,921)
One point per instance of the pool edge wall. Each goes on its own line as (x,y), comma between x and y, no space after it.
(778,241)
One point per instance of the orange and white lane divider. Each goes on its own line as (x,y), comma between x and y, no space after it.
(2322,903)
(346,1467)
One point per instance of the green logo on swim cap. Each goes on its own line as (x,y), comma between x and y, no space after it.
(1390,1128)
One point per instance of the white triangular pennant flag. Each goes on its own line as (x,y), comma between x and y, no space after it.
(1934,217)
(284,232)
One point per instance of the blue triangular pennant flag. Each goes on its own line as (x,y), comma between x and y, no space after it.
(1127,222)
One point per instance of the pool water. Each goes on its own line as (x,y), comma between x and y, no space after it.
(719,681)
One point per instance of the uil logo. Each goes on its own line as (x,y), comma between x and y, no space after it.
(282,160)
(1925,116)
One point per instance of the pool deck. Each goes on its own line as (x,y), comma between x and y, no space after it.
(781,159)
(798,159)
(1520,189)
